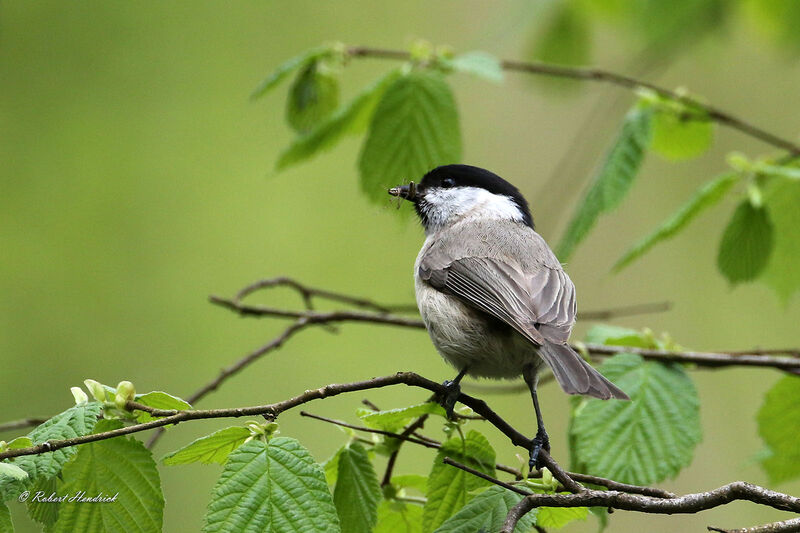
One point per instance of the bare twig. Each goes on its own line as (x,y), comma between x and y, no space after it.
(613,78)
(785,526)
(21,424)
(478,473)
(400,436)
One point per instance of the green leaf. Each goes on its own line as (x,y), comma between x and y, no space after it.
(349,119)
(159,400)
(411,481)
(20,442)
(782,198)
(778,421)
(13,472)
(478,63)
(395,419)
(274,487)
(44,512)
(449,488)
(357,490)
(398,517)
(414,128)
(487,512)
(122,469)
(212,448)
(313,96)
(74,422)
(647,439)
(746,244)
(617,336)
(5,519)
(681,133)
(287,68)
(705,197)
(612,181)
(558,517)
(331,467)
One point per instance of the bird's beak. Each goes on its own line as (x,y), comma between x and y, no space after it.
(409,192)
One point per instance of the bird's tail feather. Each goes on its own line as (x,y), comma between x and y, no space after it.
(575,375)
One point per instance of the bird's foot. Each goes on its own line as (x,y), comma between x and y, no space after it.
(540,442)
(450,396)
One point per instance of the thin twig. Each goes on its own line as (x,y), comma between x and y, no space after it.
(487,477)
(785,526)
(620,80)
(21,424)
(399,436)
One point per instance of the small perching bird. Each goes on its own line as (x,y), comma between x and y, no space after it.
(494,297)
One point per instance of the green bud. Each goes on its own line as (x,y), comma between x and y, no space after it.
(80,397)
(3,446)
(97,390)
(126,389)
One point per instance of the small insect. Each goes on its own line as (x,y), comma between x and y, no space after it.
(412,191)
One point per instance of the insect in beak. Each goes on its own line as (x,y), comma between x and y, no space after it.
(407,192)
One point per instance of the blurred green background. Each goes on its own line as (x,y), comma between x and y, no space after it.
(136,180)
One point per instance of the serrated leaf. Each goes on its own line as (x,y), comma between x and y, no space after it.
(395,419)
(708,195)
(558,517)
(782,198)
(74,422)
(286,68)
(159,400)
(274,487)
(680,133)
(414,128)
(746,244)
(5,519)
(45,513)
(357,490)
(122,469)
(612,181)
(479,63)
(398,517)
(647,439)
(348,119)
(12,472)
(331,467)
(487,512)
(213,448)
(313,96)
(449,488)
(778,423)
(617,336)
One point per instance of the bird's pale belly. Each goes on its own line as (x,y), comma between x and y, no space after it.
(466,337)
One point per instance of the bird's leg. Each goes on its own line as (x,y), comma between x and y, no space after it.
(541,441)
(453,389)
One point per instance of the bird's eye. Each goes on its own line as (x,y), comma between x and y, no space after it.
(448,182)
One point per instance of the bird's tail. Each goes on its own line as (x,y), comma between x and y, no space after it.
(575,375)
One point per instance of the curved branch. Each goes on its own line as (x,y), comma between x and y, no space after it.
(613,78)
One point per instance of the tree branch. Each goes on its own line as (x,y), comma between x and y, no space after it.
(613,78)
(21,424)
(786,526)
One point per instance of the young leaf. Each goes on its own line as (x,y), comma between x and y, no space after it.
(705,197)
(746,244)
(558,517)
(331,467)
(478,63)
(677,136)
(74,422)
(612,181)
(212,448)
(287,68)
(645,440)
(398,517)
(20,442)
(487,512)
(357,490)
(273,486)
(349,119)
(12,472)
(782,274)
(414,128)
(449,488)
(122,469)
(313,96)
(778,420)
(158,400)
(395,419)
(5,519)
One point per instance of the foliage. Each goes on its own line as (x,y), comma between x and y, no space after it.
(778,420)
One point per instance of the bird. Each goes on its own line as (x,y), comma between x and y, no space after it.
(493,296)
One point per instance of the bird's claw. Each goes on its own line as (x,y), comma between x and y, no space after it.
(452,391)
(540,442)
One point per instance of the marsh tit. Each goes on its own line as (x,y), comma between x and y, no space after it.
(494,298)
